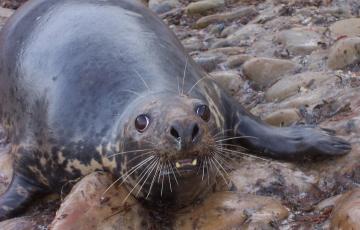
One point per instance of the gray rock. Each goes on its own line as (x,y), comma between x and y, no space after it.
(299,41)
(229,80)
(291,85)
(225,17)
(283,117)
(163,6)
(345,52)
(348,27)
(203,6)
(265,71)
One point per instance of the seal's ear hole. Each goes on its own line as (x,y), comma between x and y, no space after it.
(204,112)
(142,122)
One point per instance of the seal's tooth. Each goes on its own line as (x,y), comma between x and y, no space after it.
(194,162)
(177,164)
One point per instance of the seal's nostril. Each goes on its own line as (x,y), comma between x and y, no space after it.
(174,133)
(195,132)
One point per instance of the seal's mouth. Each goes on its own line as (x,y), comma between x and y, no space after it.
(186,163)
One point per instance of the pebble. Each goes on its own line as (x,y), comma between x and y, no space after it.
(225,17)
(265,71)
(201,7)
(283,117)
(163,6)
(237,60)
(209,62)
(291,85)
(347,27)
(229,80)
(344,52)
(299,41)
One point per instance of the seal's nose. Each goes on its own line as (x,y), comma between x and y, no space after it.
(185,134)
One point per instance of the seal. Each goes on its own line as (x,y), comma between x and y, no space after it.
(105,86)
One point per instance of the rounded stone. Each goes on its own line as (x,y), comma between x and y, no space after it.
(291,85)
(345,52)
(348,27)
(225,17)
(203,6)
(163,6)
(265,71)
(299,41)
(237,60)
(283,117)
(229,80)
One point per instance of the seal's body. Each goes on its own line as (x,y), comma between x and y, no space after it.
(105,85)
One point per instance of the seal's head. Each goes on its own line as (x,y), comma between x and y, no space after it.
(170,144)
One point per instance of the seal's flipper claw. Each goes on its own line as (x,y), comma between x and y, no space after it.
(19,193)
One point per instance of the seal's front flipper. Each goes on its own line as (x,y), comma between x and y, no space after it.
(19,193)
(285,143)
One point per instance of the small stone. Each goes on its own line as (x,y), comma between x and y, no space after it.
(283,117)
(265,71)
(228,50)
(225,17)
(298,41)
(345,52)
(229,80)
(291,85)
(5,13)
(346,213)
(209,62)
(163,6)
(237,60)
(203,6)
(348,27)
(243,36)
(193,44)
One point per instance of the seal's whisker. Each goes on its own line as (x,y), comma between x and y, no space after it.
(234,138)
(140,155)
(242,154)
(127,174)
(224,145)
(183,80)
(197,82)
(168,168)
(144,173)
(221,174)
(134,169)
(220,165)
(153,180)
(160,171)
(131,151)
(152,169)
(162,183)
(207,169)
(142,79)
(172,171)
(221,132)
(203,170)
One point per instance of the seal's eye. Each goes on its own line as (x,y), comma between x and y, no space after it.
(142,122)
(204,112)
